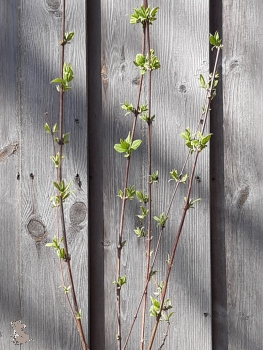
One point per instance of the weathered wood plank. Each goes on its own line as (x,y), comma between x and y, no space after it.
(242,101)
(180,39)
(44,307)
(9,167)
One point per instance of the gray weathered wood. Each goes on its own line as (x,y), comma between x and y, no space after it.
(29,270)
(180,38)
(9,166)
(242,125)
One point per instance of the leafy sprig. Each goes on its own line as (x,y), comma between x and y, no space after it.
(68,76)
(195,142)
(120,281)
(129,193)
(127,146)
(144,64)
(143,15)
(161,220)
(215,41)
(56,245)
(64,193)
(178,177)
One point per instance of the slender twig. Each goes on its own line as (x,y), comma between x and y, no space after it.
(124,199)
(170,263)
(186,208)
(148,253)
(202,121)
(165,335)
(59,179)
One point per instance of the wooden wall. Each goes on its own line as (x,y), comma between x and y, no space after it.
(215,287)
(30,277)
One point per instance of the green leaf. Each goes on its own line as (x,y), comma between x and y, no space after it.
(139,60)
(136,144)
(202,81)
(78,315)
(55,128)
(120,194)
(154,177)
(68,37)
(57,80)
(65,138)
(161,220)
(118,147)
(47,128)
(139,231)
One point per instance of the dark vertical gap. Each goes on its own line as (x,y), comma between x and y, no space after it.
(218,251)
(95,154)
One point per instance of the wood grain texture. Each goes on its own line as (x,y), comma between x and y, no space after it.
(9,167)
(242,101)
(180,39)
(43,305)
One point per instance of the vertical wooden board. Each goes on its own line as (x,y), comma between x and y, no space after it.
(120,43)
(9,167)
(181,44)
(242,103)
(44,306)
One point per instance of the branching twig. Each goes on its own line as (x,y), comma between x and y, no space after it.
(202,121)
(149,231)
(57,158)
(186,207)
(124,199)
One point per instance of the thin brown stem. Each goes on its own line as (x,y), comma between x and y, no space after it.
(149,160)
(124,199)
(61,212)
(170,264)
(208,100)
(186,207)
(165,335)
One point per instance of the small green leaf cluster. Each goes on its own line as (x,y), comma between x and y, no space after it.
(215,41)
(178,177)
(68,36)
(143,15)
(120,282)
(161,220)
(159,289)
(129,193)
(143,198)
(56,245)
(143,214)
(128,107)
(68,75)
(195,142)
(56,159)
(64,140)
(64,193)
(190,204)
(153,178)
(78,315)
(54,130)
(155,309)
(144,117)
(49,130)
(140,232)
(127,146)
(66,289)
(144,63)
(207,86)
